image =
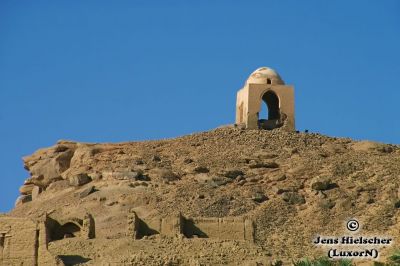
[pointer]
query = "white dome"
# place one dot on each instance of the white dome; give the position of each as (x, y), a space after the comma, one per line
(264, 75)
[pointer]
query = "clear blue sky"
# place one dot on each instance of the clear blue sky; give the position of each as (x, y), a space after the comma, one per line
(110, 71)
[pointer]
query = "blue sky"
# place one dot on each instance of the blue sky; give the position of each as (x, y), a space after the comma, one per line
(110, 71)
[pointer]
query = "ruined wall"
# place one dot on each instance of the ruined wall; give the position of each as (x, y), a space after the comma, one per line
(72, 227)
(220, 228)
(19, 238)
(24, 242)
(231, 228)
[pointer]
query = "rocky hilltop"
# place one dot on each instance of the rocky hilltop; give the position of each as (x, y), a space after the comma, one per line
(223, 197)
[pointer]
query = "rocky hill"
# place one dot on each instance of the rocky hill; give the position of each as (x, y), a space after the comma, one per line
(223, 197)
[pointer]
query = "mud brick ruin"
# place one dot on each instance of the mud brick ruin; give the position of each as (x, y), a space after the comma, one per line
(24, 241)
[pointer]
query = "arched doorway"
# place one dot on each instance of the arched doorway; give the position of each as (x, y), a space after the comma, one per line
(272, 120)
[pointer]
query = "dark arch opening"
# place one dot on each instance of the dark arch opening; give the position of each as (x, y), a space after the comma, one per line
(271, 120)
(272, 102)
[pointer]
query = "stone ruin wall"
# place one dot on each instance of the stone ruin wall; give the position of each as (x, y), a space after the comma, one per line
(223, 228)
(24, 242)
(229, 228)
(18, 242)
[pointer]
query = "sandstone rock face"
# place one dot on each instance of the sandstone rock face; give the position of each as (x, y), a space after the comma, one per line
(23, 199)
(37, 180)
(84, 153)
(86, 192)
(58, 185)
(47, 165)
(35, 192)
(26, 189)
(79, 179)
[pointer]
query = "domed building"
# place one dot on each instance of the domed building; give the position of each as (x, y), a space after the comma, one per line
(265, 86)
(264, 75)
